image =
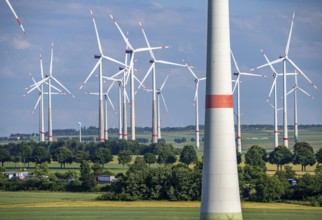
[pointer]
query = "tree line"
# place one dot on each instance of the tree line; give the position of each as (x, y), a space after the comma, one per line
(178, 177)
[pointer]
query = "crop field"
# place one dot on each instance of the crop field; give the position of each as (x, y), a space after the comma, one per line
(72, 206)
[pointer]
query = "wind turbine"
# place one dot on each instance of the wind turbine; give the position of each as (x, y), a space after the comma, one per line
(294, 90)
(237, 85)
(131, 51)
(48, 80)
(40, 102)
(285, 59)
(18, 20)
(196, 103)
(152, 69)
(99, 64)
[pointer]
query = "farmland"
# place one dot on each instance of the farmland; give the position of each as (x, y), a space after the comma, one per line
(69, 206)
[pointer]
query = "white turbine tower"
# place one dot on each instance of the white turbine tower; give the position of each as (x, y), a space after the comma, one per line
(18, 20)
(294, 90)
(106, 100)
(99, 64)
(196, 104)
(237, 85)
(159, 93)
(131, 50)
(220, 198)
(152, 69)
(285, 59)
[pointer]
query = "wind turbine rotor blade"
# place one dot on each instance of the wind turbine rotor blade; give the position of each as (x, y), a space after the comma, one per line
(232, 55)
(146, 75)
(34, 81)
(270, 92)
(118, 73)
(59, 83)
(54, 87)
(127, 97)
(147, 41)
(51, 59)
(150, 48)
(269, 62)
(196, 91)
(169, 63)
(91, 73)
(38, 100)
(35, 86)
(110, 101)
(306, 93)
(161, 88)
(302, 73)
(97, 35)
(113, 60)
(18, 20)
(120, 30)
(289, 36)
(109, 89)
(251, 74)
(292, 90)
(41, 67)
(138, 82)
(165, 104)
(235, 86)
(193, 74)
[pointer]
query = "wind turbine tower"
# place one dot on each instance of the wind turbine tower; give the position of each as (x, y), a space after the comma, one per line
(220, 189)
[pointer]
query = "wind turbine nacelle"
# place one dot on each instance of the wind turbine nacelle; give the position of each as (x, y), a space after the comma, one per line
(236, 74)
(121, 68)
(129, 51)
(97, 56)
(281, 57)
(151, 61)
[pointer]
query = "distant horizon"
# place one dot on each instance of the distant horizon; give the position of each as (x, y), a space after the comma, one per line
(201, 128)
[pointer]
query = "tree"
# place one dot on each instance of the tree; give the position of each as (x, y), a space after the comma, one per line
(87, 177)
(303, 154)
(124, 157)
(4, 155)
(318, 156)
(256, 156)
(188, 155)
(166, 157)
(41, 170)
(26, 153)
(280, 156)
(149, 158)
(102, 156)
(63, 155)
(239, 157)
(80, 156)
(40, 155)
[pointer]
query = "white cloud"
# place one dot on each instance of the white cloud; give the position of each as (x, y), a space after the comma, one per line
(20, 44)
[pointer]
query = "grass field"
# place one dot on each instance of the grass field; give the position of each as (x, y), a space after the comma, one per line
(72, 206)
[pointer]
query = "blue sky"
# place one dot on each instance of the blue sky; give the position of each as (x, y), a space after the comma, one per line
(181, 24)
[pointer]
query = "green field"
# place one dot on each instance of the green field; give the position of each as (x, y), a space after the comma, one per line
(72, 206)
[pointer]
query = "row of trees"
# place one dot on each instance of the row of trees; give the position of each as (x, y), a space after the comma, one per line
(102, 153)
(303, 154)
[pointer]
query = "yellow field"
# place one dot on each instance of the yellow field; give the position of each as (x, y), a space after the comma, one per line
(152, 204)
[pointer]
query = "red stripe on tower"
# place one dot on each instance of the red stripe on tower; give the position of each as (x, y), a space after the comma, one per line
(219, 101)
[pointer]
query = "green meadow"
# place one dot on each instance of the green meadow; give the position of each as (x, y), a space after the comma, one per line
(72, 206)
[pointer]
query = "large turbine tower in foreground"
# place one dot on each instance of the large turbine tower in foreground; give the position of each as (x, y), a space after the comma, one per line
(220, 191)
